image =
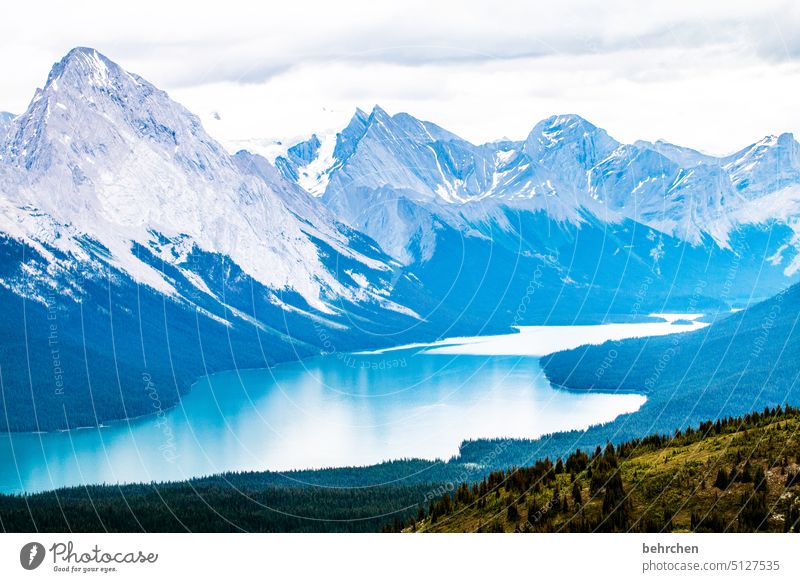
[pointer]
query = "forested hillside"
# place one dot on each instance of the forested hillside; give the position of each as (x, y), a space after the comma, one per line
(358, 499)
(738, 474)
(740, 363)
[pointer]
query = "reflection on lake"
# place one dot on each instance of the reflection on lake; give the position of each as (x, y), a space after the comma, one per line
(329, 411)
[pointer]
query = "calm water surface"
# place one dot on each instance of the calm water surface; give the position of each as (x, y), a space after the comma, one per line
(329, 411)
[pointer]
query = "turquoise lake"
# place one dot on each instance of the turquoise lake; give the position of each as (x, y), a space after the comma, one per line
(335, 410)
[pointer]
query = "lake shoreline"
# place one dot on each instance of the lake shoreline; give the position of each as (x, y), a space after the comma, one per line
(513, 330)
(455, 411)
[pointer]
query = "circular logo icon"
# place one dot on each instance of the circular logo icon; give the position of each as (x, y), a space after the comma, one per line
(31, 555)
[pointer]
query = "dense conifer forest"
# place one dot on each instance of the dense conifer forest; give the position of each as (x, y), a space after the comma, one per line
(733, 475)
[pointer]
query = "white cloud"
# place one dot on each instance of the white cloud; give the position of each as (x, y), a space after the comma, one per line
(701, 74)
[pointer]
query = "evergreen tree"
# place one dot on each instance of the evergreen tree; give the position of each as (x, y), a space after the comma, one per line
(615, 505)
(760, 480)
(577, 497)
(722, 479)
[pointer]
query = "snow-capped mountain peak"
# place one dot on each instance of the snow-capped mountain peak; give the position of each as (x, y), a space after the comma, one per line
(83, 66)
(569, 139)
(769, 164)
(101, 151)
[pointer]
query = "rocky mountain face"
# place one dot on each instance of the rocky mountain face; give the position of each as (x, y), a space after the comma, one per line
(5, 122)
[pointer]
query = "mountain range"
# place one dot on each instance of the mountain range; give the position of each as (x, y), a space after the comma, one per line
(136, 251)
(566, 167)
(604, 226)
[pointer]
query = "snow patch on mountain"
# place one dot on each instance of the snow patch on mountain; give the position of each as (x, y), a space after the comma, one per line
(313, 176)
(5, 123)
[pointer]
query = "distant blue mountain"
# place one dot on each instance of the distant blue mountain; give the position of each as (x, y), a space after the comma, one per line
(742, 362)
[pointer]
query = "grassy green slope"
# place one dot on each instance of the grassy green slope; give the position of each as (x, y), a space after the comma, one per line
(736, 475)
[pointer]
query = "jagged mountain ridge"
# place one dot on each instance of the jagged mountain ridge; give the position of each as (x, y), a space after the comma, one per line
(566, 167)
(125, 164)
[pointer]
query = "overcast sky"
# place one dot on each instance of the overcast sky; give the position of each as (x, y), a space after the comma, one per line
(711, 75)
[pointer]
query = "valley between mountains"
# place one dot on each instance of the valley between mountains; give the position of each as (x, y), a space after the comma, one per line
(138, 257)
(133, 243)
